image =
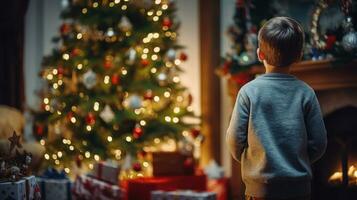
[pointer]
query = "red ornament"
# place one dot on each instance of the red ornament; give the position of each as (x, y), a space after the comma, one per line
(79, 161)
(39, 129)
(144, 62)
(108, 64)
(241, 78)
(148, 95)
(90, 119)
(142, 154)
(195, 132)
(183, 56)
(65, 29)
(60, 70)
(75, 52)
(166, 22)
(115, 79)
(188, 163)
(137, 167)
(330, 41)
(137, 132)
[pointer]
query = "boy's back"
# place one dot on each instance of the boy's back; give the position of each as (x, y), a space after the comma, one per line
(276, 130)
(278, 152)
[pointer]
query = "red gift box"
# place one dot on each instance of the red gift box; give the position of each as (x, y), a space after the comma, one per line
(220, 187)
(141, 188)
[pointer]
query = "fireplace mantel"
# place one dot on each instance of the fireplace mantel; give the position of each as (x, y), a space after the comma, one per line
(323, 74)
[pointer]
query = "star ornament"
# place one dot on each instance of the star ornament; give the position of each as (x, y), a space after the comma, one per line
(15, 141)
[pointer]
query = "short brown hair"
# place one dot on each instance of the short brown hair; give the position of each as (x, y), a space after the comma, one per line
(281, 40)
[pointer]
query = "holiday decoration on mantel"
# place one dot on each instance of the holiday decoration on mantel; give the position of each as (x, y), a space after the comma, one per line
(248, 18)
(15, 179)
(112, 88)
(339, 41)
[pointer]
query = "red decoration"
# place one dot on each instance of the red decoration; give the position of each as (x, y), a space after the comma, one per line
(79, 161)
(148, 95)
(75, 52)
(241, 78)
(195, 132)
(115, 79)
(90, 119)
(330, 41)
(189, 164)
(142, 154)
(60, 70)
(65, 29)
(144, 62)
(148, 184)
(108, 64)
(183, 56)
(137, 132)
(166, 22)
(137, 167)
(39, 129)
(220, 187)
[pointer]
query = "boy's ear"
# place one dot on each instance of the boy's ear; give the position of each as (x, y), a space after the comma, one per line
(260, 55)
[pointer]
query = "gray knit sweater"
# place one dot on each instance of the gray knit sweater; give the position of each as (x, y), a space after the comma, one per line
(276, 132)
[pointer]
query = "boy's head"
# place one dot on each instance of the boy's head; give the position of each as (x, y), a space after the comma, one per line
(281, 42)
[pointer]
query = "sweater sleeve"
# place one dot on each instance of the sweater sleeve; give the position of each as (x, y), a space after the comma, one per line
(316, 132)
(237, 131)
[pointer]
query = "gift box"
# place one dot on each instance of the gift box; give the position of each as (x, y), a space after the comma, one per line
(182, 195)
(106, 171)
(55, 185)
(23, 189)
(88, 188)
(172, 164)
(148, 184)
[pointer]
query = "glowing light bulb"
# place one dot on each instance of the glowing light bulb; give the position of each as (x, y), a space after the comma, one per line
(79, 36)
(156, 49)
(153, 70)
(73, 120)
(175, 119)
(65, 56)
(157, 140)
(154, 57)
(124, 72)
(71, 148)
(164, 6)
(57, 162)
(142, 122)
(128, 139)
(42, 142)
(87, 154)
(106, 79)
(59, 154)
(79, 66)
(95, 4)
(167, 94)
(157, 1)
(109, 138)
(155, 18)
(177, 110)
(168, 118)
(89, 128)
(156, 98)
(145, 50)
(67, 170)
(124, 7)
(49, 76)
(84, 10)
(96, 106)
(96, 157)
(47, 157)
(46, 100)
(54, 156)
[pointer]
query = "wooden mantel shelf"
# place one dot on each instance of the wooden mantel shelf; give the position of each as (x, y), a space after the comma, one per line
(323, 74)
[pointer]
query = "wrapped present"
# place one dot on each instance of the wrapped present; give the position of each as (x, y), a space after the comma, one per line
(148, 184)
(106, 171)
(23, 189)
(55, 185)
(182, 195)
(172, 164)
(88, 188)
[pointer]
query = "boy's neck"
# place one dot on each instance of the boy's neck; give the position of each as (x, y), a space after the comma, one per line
(274, 69)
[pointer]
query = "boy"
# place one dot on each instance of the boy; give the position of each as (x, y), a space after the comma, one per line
(276, 130)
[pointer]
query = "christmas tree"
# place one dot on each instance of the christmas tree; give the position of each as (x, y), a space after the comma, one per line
(112, 85)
